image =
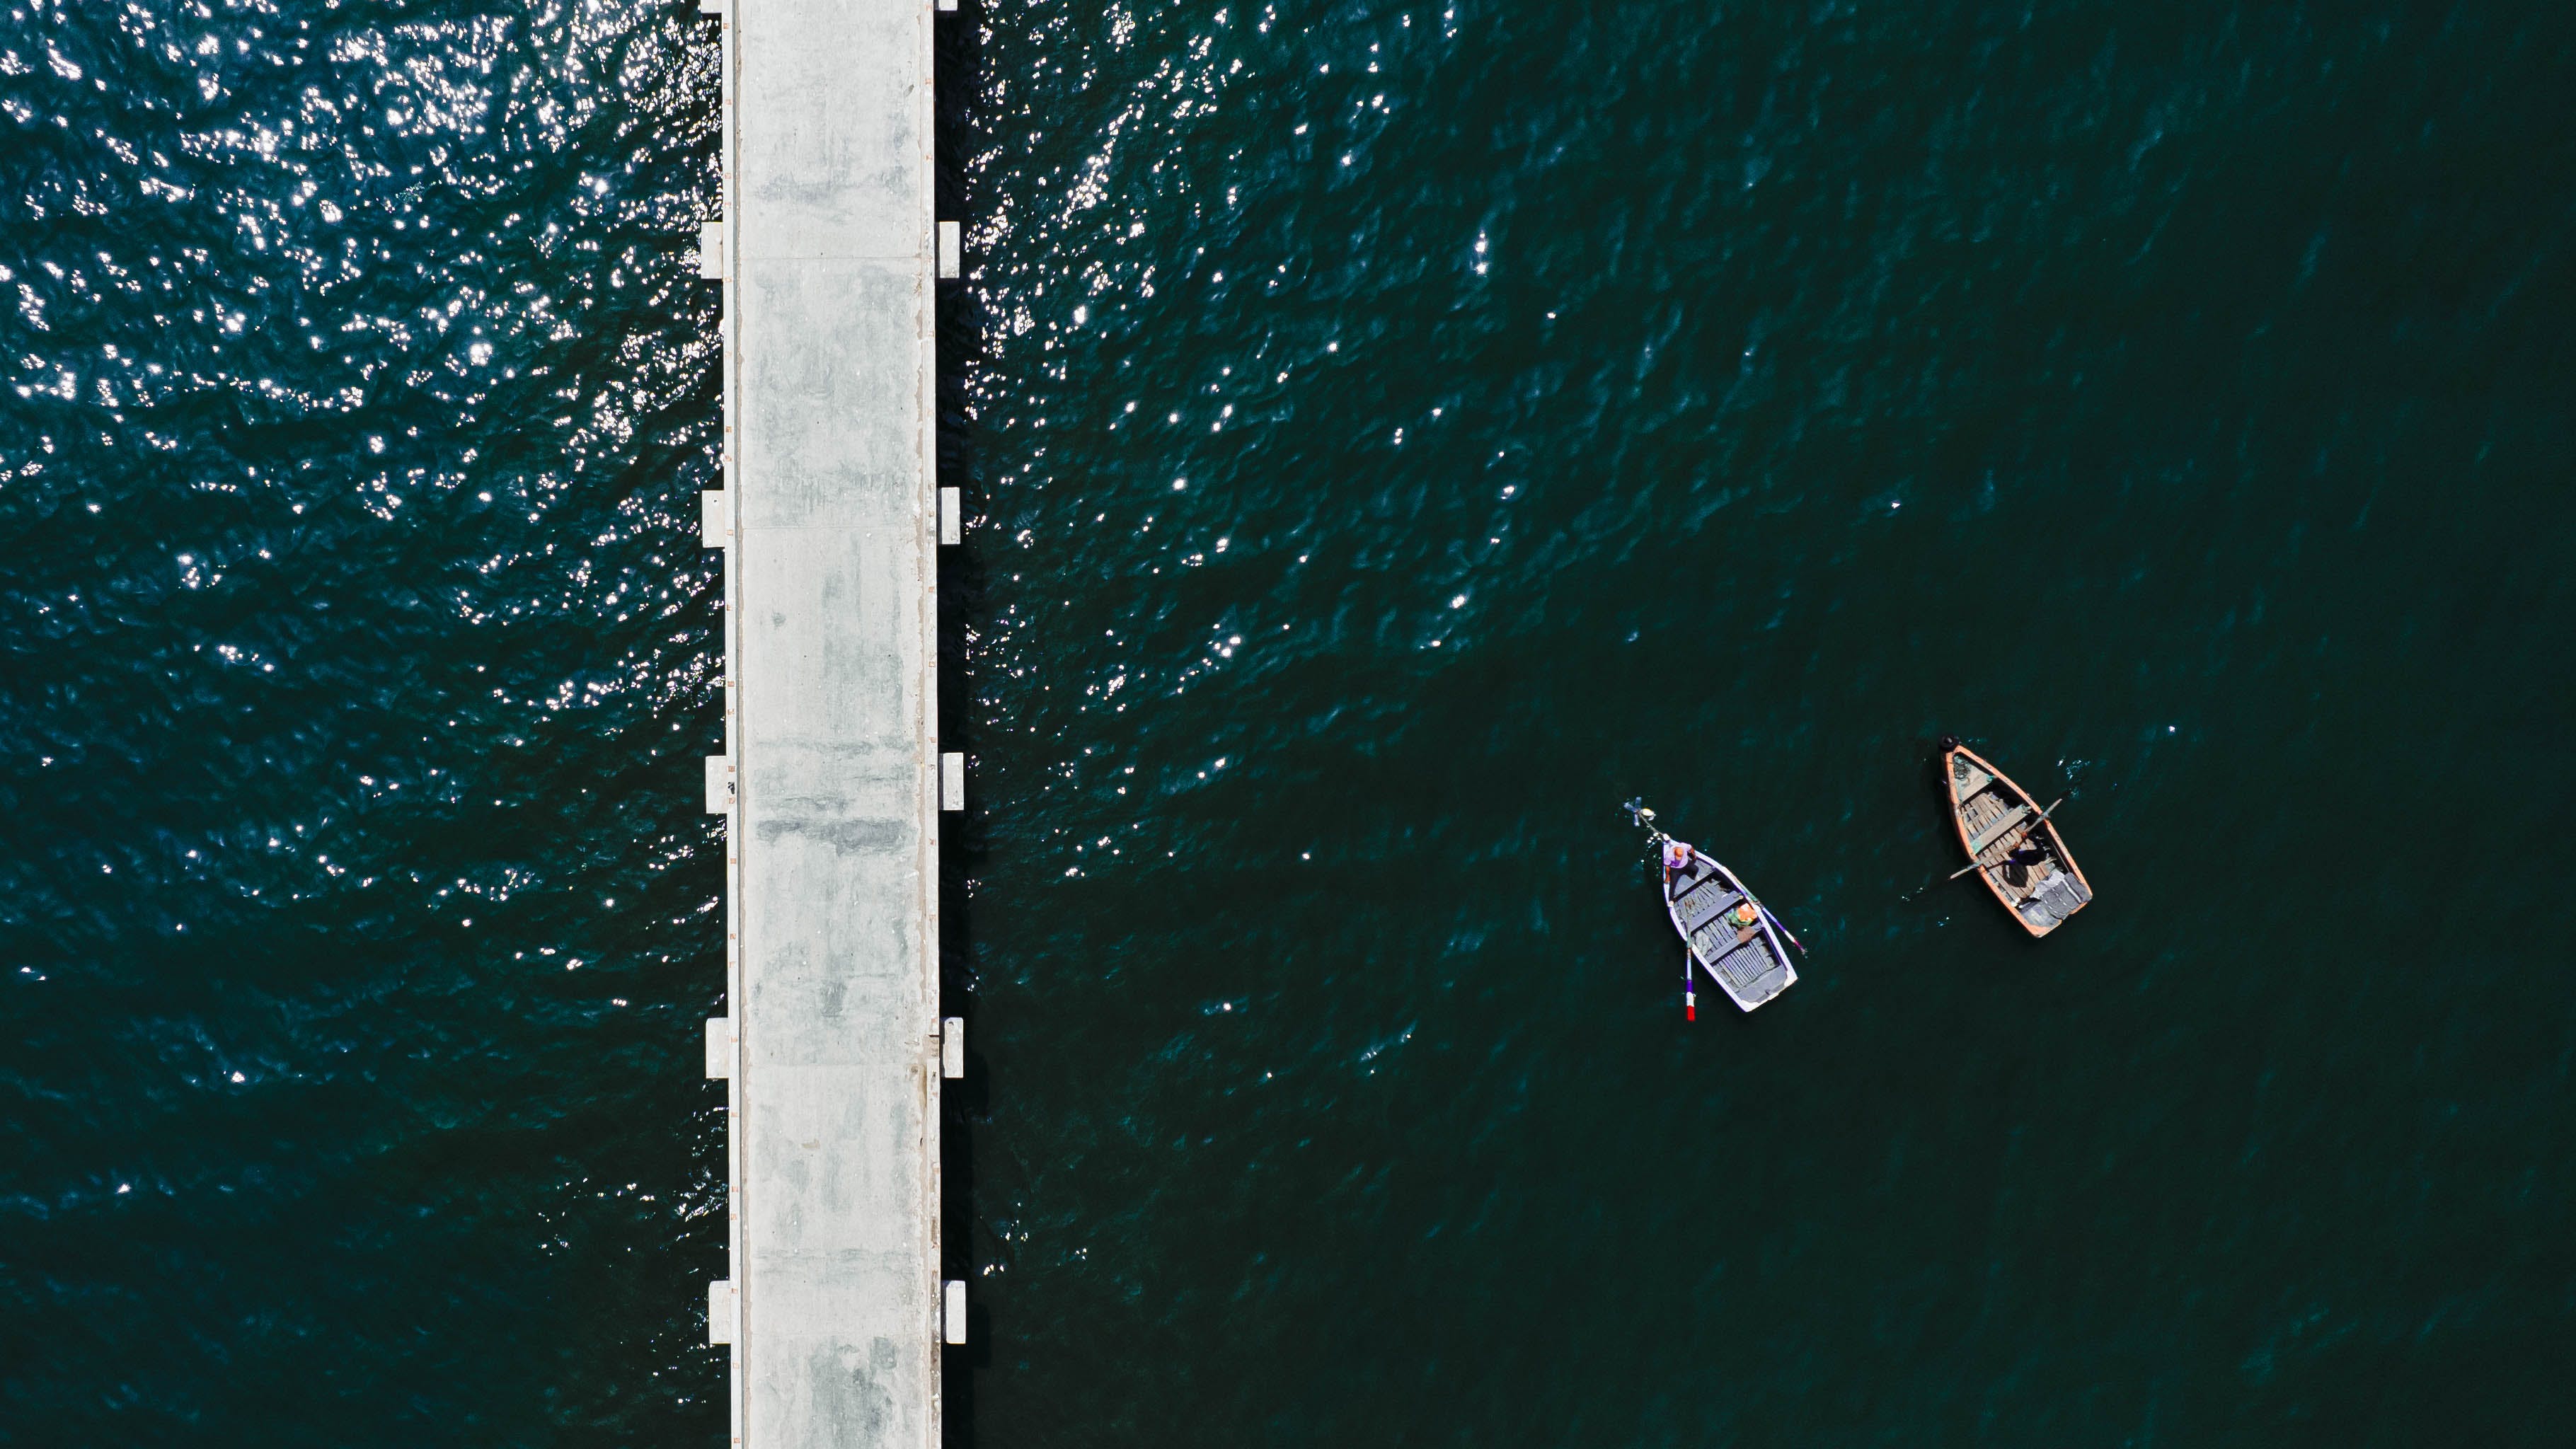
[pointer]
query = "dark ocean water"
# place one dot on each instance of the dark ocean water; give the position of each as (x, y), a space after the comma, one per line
(1720, 403)
(358, 656)
(1394, 436)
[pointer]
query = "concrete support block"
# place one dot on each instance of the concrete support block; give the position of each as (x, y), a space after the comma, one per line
(715, 525)
(952, 516)
(720, 1311)
(711, 249)
(719, 784)
(952, 247)
(719, 1048)
(952, 1047)
(711, 7)
(947, 5)
(952, 1311)
(952, 781)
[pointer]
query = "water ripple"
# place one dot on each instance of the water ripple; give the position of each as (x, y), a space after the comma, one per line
(360, 652)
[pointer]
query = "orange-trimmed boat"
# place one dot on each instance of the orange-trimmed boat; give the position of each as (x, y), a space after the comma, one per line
(2012, 844)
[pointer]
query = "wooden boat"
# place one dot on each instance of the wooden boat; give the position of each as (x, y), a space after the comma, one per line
(2012, 843)
(1725, 931)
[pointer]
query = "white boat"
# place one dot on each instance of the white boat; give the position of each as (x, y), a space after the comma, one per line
(1725, 930)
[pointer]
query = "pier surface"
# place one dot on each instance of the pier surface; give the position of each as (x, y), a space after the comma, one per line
(831, 659)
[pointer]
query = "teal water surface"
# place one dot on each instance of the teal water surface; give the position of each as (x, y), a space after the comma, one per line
(359, 653)
(1406, 433)
(1393, 436)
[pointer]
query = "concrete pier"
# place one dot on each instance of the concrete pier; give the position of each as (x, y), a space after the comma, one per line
(829, 517)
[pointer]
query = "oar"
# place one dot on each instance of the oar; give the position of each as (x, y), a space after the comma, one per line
(1690, 1000)
(2034, 824)
(1781, 926)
